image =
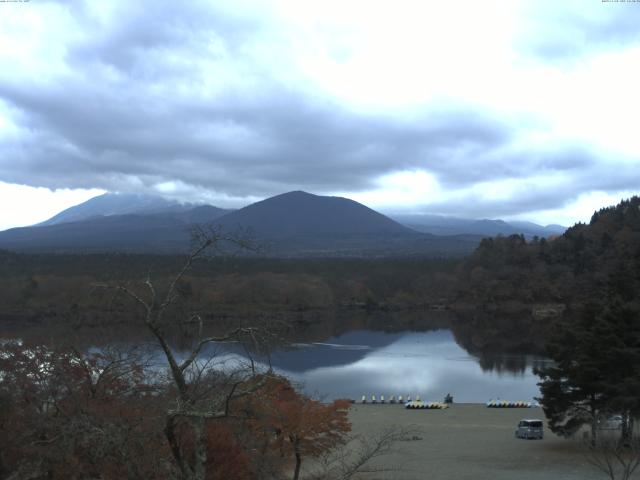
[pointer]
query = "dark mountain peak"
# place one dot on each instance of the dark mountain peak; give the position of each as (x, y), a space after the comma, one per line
(299, 199)
(294, 194)
(300, 213)
(302, 196)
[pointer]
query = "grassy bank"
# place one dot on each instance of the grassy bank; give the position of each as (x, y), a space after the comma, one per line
(470, 441)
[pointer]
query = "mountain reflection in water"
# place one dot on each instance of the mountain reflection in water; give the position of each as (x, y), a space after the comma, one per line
(429, 363)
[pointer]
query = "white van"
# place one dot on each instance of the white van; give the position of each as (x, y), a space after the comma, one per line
(530, 429)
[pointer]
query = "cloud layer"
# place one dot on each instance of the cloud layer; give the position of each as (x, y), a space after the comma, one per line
(242, 100)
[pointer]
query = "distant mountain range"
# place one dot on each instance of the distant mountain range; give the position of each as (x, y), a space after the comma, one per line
(291, 224)
(441, 225)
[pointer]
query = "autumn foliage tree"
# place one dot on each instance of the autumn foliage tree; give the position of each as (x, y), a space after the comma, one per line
(67, 414)
(295, 425)
(71, 415)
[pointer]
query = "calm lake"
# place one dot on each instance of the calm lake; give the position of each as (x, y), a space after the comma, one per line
(352, 356)
(429, 363)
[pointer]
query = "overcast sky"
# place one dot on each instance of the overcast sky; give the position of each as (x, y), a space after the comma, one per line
(506, 109)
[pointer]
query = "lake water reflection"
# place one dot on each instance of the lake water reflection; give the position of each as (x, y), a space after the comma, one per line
(430, 364)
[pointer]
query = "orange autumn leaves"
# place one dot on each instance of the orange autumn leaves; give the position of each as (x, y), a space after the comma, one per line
(315, 426)
(274, 428)
(87, 414)
(290, 423)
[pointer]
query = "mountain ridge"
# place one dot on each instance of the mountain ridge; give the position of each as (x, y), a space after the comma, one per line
(109, 204)
(445, 225)
(291, 224)
(295, 223)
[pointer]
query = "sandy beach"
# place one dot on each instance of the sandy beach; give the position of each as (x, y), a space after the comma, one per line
(471, 441)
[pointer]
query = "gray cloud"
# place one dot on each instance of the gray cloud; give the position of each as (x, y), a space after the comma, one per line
(564, 30)
(185, 92)
(538, 196)
(280, 141)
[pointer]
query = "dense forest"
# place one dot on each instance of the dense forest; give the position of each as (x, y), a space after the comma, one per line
(41, 286)
(519, 289)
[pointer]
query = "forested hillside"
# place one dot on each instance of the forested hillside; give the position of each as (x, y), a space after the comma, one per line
(521, 287)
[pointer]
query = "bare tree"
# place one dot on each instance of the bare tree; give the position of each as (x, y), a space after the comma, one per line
(359, 455)
(616, 459)
(203, 392)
